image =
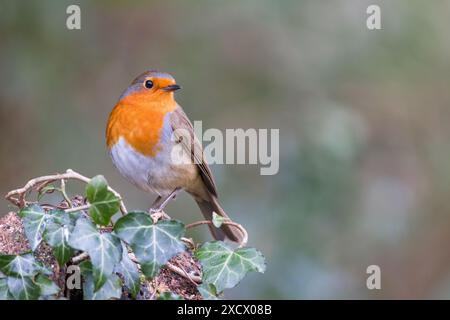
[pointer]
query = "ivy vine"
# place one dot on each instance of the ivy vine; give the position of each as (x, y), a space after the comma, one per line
(112, 254)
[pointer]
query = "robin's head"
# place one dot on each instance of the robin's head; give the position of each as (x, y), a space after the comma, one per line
(152, 85)
(139, 114)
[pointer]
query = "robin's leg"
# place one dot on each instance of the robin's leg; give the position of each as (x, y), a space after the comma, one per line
(156, 203)
(160, 203)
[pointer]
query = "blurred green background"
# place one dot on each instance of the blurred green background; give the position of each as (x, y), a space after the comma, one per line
(364, 121)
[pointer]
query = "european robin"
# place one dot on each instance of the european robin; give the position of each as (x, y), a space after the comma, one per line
(140, 139)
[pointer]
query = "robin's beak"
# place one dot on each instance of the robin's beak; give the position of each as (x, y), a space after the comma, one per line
(171, 88)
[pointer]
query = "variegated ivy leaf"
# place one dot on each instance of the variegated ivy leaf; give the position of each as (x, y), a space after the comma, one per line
(129, 271)
(86, 267)
(64, 218)
(224, 266)
(169, 296)
(23, 288)
(104, 249)
(56, 234)
(47, 286)
(208, 291)
(153, 244)
(21, 265)
(4, 291)
(217, 220)
(111, 289)
(104, 204)
(34, 219)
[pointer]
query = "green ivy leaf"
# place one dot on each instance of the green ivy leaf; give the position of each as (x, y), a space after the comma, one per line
(23, 288)
(56, 234)
(224, 266)
(34, 219)
(20, 265)
(169, 296)
(112, 288)
(4, 291)
(63, 218)
(130, 272)
(104, 204)
(153, 244)
(86, 267)
(47, 286)
(104, 249)
(217, 220)
(208, 291)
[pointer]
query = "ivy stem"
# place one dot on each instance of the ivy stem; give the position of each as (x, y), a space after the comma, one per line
(79, 258)
(195, 280)
(17, 197)
(188, 242)
(227, 222)
(64, 193)
(181, 272)
(75, 209)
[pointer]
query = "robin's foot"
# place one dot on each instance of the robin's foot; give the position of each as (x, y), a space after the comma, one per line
(157, 209)
(157, 214)
(153, 210)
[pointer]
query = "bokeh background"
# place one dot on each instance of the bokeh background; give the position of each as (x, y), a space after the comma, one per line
(364, 121)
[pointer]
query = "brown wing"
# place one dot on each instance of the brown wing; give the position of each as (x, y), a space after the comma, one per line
(179, 120)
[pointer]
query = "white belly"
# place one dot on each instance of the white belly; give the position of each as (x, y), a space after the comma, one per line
(158, 174)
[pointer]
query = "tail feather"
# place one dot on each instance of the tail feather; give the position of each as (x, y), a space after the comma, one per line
(226, 231)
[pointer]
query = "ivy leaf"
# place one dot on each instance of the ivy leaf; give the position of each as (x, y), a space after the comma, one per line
(153, 244)
(104, 204)
(23, 288)
(57, 236)
(169, 296)
(47, 286)
(63, 218)
(224, 266)
(130, 272)
(4, 291)
(86, 268)
(111, 289)
(34, 219)
(20, 265)
(104, 249)
(217, 220)
(208, 291)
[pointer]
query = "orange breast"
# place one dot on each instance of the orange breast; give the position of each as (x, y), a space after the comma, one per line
(139, 120)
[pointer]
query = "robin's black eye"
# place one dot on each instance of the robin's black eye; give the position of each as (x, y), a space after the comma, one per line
(148, 84)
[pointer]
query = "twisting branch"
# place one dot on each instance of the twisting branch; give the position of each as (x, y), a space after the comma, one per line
(227, 222)
(189, 242)
(17, 197)
(195, 280)
(64, 193)
(80, 208)
(79, 258)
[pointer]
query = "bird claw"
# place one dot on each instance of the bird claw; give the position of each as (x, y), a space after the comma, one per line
(157, 214)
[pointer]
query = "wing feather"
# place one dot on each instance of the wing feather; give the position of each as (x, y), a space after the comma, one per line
(179, 120)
